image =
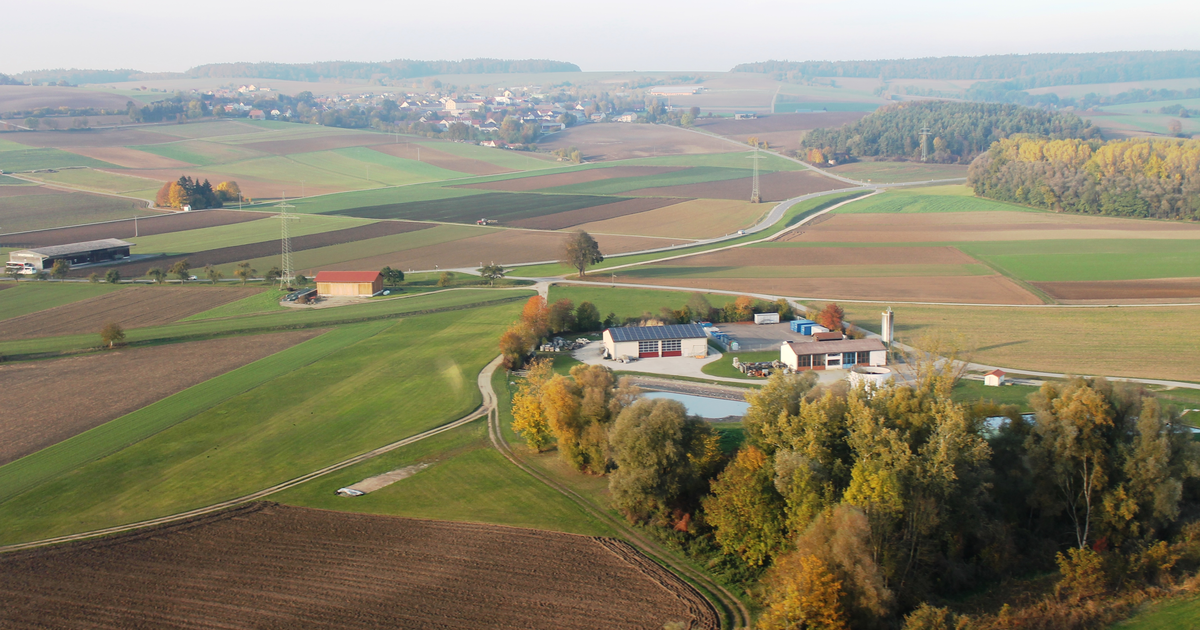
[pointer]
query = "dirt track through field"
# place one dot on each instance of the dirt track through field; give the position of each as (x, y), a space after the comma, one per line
(538, 182)
(272, 566)
(1157, 289)
(777, 186)
(238, 253)
(572, 218)
(133, 307)
(965, 289)
(45, 402)
(146, 226)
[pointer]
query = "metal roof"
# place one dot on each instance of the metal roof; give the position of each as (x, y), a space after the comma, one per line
(646, 333)
(833, 347)
(77, 248)
(347, 276)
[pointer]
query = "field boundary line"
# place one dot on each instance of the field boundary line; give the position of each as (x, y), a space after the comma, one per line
(735, 610)
(149, 204)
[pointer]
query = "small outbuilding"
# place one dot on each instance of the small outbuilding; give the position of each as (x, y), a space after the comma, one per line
(656, 341)
(995, 378)
(826, 355)
(766, 318)
(349, 283)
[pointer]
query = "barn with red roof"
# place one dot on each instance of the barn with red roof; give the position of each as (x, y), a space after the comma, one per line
(349, 283)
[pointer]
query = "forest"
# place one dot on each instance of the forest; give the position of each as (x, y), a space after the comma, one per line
(888, 507)
(1141, 177)
(958, 131)
(1027, 71)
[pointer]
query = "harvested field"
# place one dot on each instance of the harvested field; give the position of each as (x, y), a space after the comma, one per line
(889, 172)
(46, 402)
(91, 137)
(135, 307)
(618, 141)
(240, 253)
(441, 159)
(693, 218)
(500, 206)
(53, 209)
(1124, 290)
(970, 289)
(776, 122)
(22, 190)
(199, 152)
(318, 143)
(983, 226)
(503, 247)
(808, 256)
(128, 158)
(272, 566)
(27, 97)
(525, 184)
(257, 188)
(146, 226)
(595, 213)
(776, 186)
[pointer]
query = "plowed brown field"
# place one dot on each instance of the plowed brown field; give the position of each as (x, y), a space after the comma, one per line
(1157, 289)
(146, 226)
(134, 307)
(571, 218)
(807, 256)
(45, 402)
(28, 97)
(441, 159)
(502, 247)
(772, 187)
(982, 226)
(943, 289)
(272, 566)
(129, 158)
(22, 191)
(619, 141)
(238, 253)
(93, 137)
(538, 182)
(693, 218)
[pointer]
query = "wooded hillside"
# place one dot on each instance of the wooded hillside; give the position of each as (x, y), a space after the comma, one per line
(958, 131)
(1142, 177)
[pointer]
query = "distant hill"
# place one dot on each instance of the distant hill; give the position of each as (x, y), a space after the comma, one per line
(395, 69)
(1025, 71)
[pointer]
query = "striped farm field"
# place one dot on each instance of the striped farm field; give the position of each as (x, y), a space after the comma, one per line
(375, 166)
(201, 153)
(23, 298)
(37, 208)
(34, 159)
(499, 206)
(693, 218)
(98, 181)
(261, 228)
(666, 272)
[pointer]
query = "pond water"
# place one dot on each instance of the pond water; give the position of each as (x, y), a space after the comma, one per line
(703, 406)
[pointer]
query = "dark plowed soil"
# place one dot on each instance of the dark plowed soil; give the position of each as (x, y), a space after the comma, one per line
(239, 253)
(772, 186)
(146, 226)
(133, 307)
(272, 566)
(539, 182)
(1161, 288)
(596, 213)
(45, 402)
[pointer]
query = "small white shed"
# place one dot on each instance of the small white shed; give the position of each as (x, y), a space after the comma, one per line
(766, 318)
(995, 378)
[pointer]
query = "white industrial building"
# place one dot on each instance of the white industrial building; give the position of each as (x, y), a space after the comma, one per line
(656, 341)
(31, 261)
(815, 354)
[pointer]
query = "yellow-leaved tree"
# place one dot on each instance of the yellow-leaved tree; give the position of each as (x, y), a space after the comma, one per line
(804, 593)
(529, 417)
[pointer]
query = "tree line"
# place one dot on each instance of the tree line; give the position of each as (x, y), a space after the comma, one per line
(198, 195)
(958, 131)
(871, 508)
(1140, 177)
(1027, 71)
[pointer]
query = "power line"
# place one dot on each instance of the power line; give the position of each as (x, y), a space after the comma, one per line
(286, 241)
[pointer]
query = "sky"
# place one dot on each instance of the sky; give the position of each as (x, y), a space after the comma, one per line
(620, 35)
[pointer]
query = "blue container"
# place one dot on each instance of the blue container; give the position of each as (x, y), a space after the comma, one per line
(802, 326)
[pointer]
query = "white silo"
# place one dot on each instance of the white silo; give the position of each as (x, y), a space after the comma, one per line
(889, 326)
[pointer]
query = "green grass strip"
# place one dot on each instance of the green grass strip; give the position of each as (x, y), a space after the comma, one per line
(131, 428)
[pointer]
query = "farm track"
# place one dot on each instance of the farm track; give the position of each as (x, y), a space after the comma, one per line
(734, 609)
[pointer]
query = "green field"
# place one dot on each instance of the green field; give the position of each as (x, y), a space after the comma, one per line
(1171, 614)
(503, 158)
(929, 199)
(200, 152)
(503, 206)
(346, 201)
(30, 297)
(264, 302)
(892, 172)
(100, 181)
(36, 159)
(1141, 342)
(40, 212)
(767, 162)
(266, 229)
(467, 480)
(373, 166)
(415, 374)
(724, 365)
(626, 302)
(1091, 259)
(667, 271)
(970, 391)
(5, 180)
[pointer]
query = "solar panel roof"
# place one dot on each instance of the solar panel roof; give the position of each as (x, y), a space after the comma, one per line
(646, 333)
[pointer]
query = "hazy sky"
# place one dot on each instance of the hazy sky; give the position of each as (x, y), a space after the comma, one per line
(152, 35)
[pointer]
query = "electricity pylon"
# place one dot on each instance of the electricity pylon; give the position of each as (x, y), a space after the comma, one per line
(925, 133)
(286, 241)
(754, 196)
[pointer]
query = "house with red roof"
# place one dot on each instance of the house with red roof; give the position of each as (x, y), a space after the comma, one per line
(349, 283)
(995, 378)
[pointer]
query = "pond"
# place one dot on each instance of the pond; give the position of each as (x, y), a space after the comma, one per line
(704, 406)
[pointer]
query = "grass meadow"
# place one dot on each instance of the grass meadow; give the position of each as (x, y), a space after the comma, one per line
(1172, 614)
(35, 159)
(30, 297)
(893, 172)
(1091, 259)
(953, 198)
(410, 376)
(626, 302)
(265, 229)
